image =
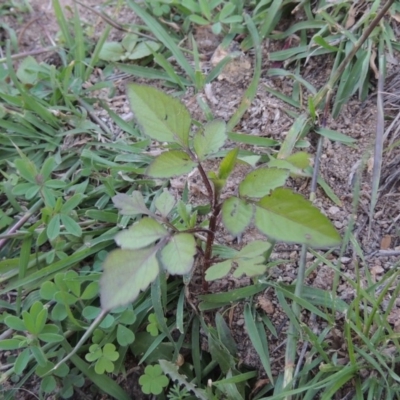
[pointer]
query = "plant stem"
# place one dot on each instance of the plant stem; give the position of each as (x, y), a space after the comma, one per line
(212, 226)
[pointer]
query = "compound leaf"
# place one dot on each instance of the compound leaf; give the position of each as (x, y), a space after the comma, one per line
(219, 270)
(289, 217)
(170, 163)
(254, 249)
(210, 140)
(130, 205)
(165, 203)
(141, 234)
(260, 182)
(161, 117)
(126, 273)
(178, 255)
(250, 266)
(236, 215)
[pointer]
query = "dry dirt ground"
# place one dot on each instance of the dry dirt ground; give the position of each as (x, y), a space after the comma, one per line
(267, 117)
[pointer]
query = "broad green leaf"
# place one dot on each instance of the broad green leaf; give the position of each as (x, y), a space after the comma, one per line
(126, 273)
(27, 71)
(284, 164)
(130, 205)
(254, 249)
(250, 267)
(141, 234)
(170, 163)
(125, 336)
(165, 203)
(228, 163)
(219, 270)
(300, 159)
(129, 41)
(161, 117)
(22, 361)
(262, 181)
(178, 255)
(143, 49)
(111, 51)
(288, 217)
(236, 215)
(210, 140)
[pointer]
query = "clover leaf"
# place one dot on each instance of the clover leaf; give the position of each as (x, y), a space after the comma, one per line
(153, 381)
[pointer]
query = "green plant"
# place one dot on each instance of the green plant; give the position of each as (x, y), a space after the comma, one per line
(166, 237)
(153, 381)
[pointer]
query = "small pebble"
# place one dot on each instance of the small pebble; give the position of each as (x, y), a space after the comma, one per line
(333, 210)
(338, 224)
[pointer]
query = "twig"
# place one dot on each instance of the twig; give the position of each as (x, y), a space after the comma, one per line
(21, 222)
(29, 53)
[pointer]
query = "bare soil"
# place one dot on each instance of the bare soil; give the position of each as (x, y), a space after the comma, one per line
(267, 117)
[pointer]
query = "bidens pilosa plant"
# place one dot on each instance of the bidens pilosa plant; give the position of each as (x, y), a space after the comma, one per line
(169, 236)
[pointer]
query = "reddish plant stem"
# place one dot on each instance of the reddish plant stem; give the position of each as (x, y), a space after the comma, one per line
(212, 195)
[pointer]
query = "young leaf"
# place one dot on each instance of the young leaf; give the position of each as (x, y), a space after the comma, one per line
(228, 163)
(219, 270)
(161, 117)
(130, 205)
(178, 255)
(254, 249)
(126, 273)
(260, 182)
(165, 203)
(288, 217)
(300, 159)
(250, 267)
(169, 164)
(140, 234)
(236, 215)
(211, 140)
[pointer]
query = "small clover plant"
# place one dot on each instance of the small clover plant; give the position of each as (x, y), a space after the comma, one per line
(153, 381)
(103, 357)
(169, 234)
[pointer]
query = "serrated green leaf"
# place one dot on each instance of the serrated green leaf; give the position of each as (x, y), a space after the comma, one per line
(236, 215)
(210, 140)
(227, 164)
(130, 205)
(141, 234)
(250, 267)
(178, 255)
(288, 217)
(171, 163)
(254, 249)
(126, 273)
(218, 271)
(165, 203)
(161, 117)
(262, 181)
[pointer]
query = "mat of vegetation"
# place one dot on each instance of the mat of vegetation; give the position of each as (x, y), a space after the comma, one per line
(199, 200)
